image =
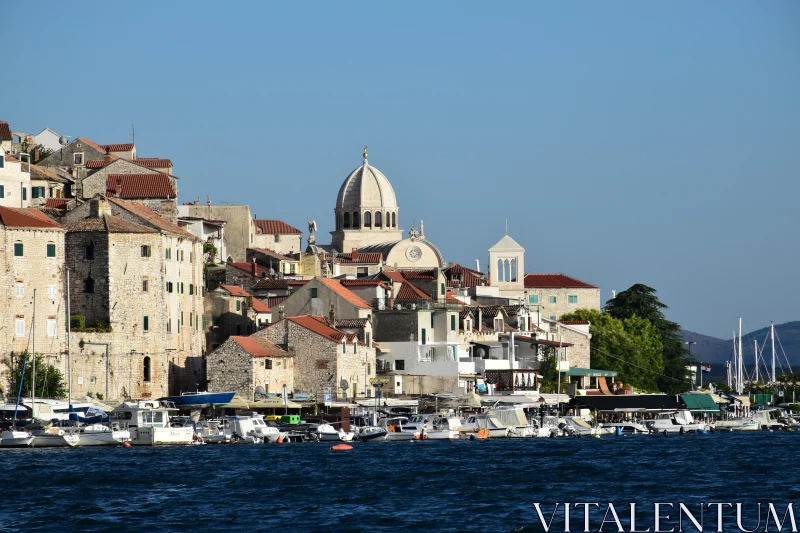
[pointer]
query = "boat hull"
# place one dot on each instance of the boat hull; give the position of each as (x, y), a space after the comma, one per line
(103, 438)
(200, 400)
(150, 436)
(54, 441)
(15, 439)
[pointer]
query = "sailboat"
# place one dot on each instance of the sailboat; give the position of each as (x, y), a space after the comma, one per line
(13, 437)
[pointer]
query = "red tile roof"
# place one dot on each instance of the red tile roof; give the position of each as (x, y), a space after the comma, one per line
(275, 227)
(455, 268)
(46, 174)
(235, 290)
(261, 272)
(363, 283)
(13, 217)
(151, 217)
(554, 281)
(395, 275)
(273, 254)
(298, 282)
(276, 300)
(345, 293)
(409, 292)
(269, 283)
(125, 147)
(469, 277)
(91, 143)
(319, 325)
(259, 347)
(139, 186)
(419, 274)
(56, 203)
(370, 258)
(574, 322)
(5, 131)
(10, 157)
(100, 163)
(260, 307)
(153, 162)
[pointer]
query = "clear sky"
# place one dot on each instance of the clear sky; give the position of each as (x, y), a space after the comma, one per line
(624, 142)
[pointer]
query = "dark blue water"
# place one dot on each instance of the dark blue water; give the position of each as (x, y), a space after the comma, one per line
(425, 486)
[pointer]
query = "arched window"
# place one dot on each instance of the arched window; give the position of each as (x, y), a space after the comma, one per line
(356, 221)
(88, 285)
(378, 219)
(499, 270)
(146, 366)
(367, 219)
(507, 271)
(338, 222)
(394, 220)
(513, 270)
(346, 222)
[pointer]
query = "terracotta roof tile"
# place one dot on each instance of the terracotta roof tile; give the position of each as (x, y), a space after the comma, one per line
(363, 283)
(151, 217)
(554, 281)
(419, 274)
(56, 203)
(369, 258)
(44, 173)
(345, 293)
(269, 283)
(153, 162)
(139, 186)
(298, 282)
(319, 325)
(276, 300)
(91, 143)
(574, 322)
(260, 307)
(455, 268)
(13, 217)
(409, 292)
(235, 290)
(462, 276)
(351, 323)
(125, 147)
(273, 254)
(11, 158)
(259, 347)
(5, 131)
(275, 227)
(261, 272)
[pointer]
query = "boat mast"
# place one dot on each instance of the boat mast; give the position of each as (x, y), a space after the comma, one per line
(755, 345)
(740, 376)
(69, 352)
(33, 332)
(772, 336)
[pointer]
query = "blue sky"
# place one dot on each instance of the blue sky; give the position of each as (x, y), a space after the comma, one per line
(624, 142)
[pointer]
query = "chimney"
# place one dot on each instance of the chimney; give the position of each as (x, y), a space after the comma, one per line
(333, 317)
(99, 207)
(254, 266)
(208, 200)
(107, 159)
(354, 255)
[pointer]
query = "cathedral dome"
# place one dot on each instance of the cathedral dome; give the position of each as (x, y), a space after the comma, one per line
(366, 188)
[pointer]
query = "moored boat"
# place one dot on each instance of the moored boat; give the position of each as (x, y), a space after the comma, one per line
(148, 423)
(199, 400)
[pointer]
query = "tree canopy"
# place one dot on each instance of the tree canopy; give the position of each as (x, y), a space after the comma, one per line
(49, 380)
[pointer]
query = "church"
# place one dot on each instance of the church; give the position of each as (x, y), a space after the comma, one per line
(368, 223)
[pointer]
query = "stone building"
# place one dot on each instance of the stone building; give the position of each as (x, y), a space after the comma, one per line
(31, 261)
(277, 264)
(15, 181)
(243, 364)
(227, 313)
(211, 232)
(155, 191)
(47, 184)
(326, 359)
(557, 294)
(137, 282)
(6, 136)
(277, 236)
(321, 296)
(239, 228)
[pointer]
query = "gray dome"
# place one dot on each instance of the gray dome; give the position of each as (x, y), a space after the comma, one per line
(366, 188)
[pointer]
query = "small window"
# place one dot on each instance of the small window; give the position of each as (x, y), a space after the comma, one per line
(51, 327)
(368, 343)
(572, 298)
(2, 161)
(145, 250)
(145, 285)
(168, 253)
(553, 299)
(400, 364)
(191, 289)
(499, 325)
(181, 287)
(355, 346)
(169, 325)
(190, 319)
(424, 336)
(444, 291)
(268, 364)
(19, 327)
(452, 322)
(169, 286)
(2, 187)
(181, 318)
(20, 290)
(238, 305)
(146, 368)
(88, 286)
(24, 193)
(89, 252)
(277, 237)
(533, 299)
(553, 317)
(52, 291)
(146, 323)
(292, 268)
(51, 250)
(77, 158)
(314, 293)
(93, 379)
(18, 249)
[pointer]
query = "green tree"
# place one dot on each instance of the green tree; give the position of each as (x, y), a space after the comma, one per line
(50, 381)
(641, 300)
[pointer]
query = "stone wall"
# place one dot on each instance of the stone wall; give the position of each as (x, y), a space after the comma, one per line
(96, 182)
(13, 180)
(239, 229)
(587, 299)
(223, 320)
(301, 303)
(284, 245)
(231, 368)
(33, 271)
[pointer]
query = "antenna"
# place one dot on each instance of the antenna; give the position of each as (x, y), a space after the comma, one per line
(133, 134)
(506, 226)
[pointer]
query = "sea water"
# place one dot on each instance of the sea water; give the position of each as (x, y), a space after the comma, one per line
(489, 485)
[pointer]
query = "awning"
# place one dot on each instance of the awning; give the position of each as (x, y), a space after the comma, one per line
(615, 403)
(237, 402)
(699, 403)
(590, 372)
(274, 403)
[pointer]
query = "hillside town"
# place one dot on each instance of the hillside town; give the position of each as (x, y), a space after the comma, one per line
(164, 296)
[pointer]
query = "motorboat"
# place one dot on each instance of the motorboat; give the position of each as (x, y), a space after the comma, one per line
(514, 418)
(242, 428)
(266, 432)
(15, 438)
(199, 400)
(49, 436)
(394, 429)
(148, 422)
(577, 426)
(674, 422)
(326, 432)
(101, 435)
(371, 433)
(477, 421)
(629, 427)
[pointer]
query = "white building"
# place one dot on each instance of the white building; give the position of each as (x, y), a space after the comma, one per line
(15, 181)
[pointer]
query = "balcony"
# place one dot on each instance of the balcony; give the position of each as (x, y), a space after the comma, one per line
(382, 304)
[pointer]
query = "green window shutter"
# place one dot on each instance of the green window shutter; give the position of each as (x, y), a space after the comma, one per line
(24, 193)
(431, 320)
(444, 291)
(51, 250)
(146, 322)
(2, 189)
(452, 322)
(533, 299)
(314, 292)
(424, 336)
(18, 249)
(553, 299)
(573, 298)
(238, 305)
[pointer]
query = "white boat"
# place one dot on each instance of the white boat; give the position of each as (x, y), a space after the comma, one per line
(394, 429)
(328, 433)
(267, 433)
(148, 423)
(514, 418)
(101, 435)
(242, 428)
(477, 421)
(623, 428)
(48, 437)
(14, 438)
(575, 425)
(674, 422)
(370, 433)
